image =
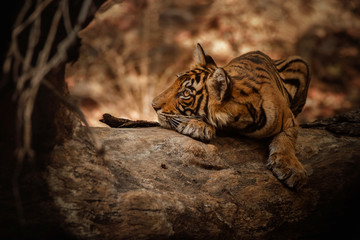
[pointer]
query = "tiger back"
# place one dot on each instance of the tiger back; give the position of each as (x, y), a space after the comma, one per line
(263, 85)
(295, 74)
(252, 94)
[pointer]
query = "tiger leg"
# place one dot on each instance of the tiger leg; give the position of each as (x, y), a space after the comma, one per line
(197, 129)
(282, 160)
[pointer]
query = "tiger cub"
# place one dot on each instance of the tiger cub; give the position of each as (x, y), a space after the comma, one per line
(255, 95)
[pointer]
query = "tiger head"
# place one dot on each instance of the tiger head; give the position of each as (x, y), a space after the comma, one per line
(195, 94)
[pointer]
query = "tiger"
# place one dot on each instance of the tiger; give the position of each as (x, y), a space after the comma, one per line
(252, 95)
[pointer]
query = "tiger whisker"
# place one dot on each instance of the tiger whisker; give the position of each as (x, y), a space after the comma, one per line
(174, 120)
(173, 123)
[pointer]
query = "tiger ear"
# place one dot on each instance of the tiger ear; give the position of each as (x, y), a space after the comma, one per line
(201, 58)
(219, 85)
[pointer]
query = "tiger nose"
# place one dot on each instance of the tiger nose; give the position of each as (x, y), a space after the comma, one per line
(155, 106)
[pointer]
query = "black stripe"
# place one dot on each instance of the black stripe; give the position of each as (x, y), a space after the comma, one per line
(206, 74)
(262, 119)
(187, 104)
(256, 125)
(258, 116)
(199, 92)
(246, 65)
(206, 108)
(289, 63)
(191, 88)
(256, 60)
(262, 69)
(294, 71)
(207, 69)
(242, 92)
(250, 78)
(186, 83)
(198, 104)
(272, 69)
(280, 61)
(279, 83)
(255, 81)
(247, 84)
(261, 76)
(211, 69)
(204, 134)
(252, 111)
(239, 67)
(197, 78)
(278, 79)
(289, 96)
(292, 81)
(182, 112)
(239, 78)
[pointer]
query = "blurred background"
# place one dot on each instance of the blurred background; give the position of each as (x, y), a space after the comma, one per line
(133, 49)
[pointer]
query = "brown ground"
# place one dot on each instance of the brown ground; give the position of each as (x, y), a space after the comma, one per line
(134, 48)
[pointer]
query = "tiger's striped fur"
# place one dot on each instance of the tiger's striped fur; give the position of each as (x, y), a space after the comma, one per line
(253, 94)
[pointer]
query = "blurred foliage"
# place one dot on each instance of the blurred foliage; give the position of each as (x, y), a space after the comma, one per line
(134, 48)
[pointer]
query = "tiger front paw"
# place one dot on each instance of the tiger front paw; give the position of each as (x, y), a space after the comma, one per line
(288, 170)
(197, 129)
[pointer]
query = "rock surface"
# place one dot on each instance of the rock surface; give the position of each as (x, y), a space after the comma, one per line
(154, 183)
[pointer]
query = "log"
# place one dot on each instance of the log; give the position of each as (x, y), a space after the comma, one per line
(154, 183)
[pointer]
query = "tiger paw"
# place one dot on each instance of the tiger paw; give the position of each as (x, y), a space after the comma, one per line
(288, 170)
(197, 129)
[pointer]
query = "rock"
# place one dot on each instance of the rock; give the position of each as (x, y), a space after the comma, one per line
(153, 183)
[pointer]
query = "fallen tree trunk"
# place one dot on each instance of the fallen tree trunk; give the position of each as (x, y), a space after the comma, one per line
(153, 183)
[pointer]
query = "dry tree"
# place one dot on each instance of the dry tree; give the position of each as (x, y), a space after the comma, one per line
(29, 65)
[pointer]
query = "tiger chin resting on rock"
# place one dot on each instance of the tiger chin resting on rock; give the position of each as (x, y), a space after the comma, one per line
(253, 94)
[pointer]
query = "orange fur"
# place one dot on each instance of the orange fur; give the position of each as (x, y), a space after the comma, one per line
(254, 95)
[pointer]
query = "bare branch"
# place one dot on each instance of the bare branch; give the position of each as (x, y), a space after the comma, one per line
(45, 52)
(36, 14)
(33, 41)
(66, 16)
(35, 74)
(29, 73)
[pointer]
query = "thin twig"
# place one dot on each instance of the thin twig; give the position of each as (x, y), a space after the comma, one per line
(29, 74)
(33, 41)
(66, 16)
(36, 14)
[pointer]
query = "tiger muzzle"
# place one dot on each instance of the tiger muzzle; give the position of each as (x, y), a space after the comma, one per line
(155, 106)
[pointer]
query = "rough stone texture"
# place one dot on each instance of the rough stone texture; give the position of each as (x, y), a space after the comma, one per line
(347, 123)
(154, 183)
